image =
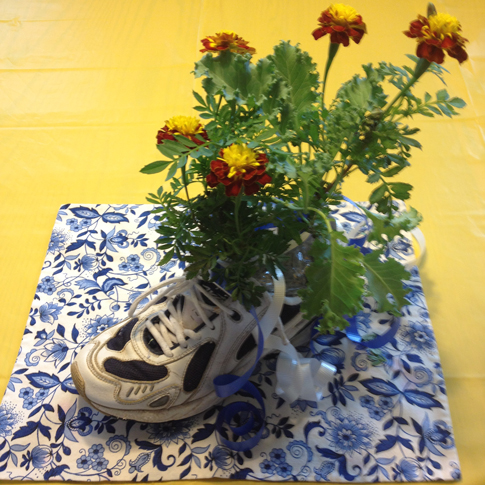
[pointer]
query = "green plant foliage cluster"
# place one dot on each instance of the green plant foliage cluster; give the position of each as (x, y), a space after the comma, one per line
(275, 107)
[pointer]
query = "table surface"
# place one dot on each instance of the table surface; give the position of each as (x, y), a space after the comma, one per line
(86, 85)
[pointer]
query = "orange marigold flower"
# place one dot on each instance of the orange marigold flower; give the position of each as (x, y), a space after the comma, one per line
(239, 166)
(438, 33)
(226, 40)
(187, 126)
(342, 23)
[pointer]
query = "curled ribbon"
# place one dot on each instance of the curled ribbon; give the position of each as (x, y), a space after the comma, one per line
(299, 377)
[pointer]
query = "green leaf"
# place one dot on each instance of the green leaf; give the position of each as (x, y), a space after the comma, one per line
(374, 177)
(386, 278)
(335, 282)
(156, 167)
(400, 190)
(175, 147)
(434, 110)
(442, 95)
(405, 140)
(392, 171)
(164, 150)
(199, 98)
(445, 110)
(277, 93)
(358, 92)
(314, 135)
(299, 72)
(381, 226)
(185, 142)
(457, 102)
(166, 257)
(261, 80)
(235, 77)
(182, 161)
(412, 57)
(201, 152)
(378, 193)
(172, 171)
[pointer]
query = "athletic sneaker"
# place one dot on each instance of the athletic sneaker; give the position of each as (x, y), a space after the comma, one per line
(159, 365)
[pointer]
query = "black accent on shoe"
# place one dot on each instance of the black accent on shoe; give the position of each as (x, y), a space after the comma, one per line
(135, 370)
(150, 343)
(217, 292)
(236, 316)
(289, 312)
(246, 347)
(197, 366)
(123, 336)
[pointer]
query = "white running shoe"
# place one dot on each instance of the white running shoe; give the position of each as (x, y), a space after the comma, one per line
(159, 365)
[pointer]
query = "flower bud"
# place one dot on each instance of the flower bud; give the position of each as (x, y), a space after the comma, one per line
(431, 9)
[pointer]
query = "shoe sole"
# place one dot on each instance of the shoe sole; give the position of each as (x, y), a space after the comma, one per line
(301, 336)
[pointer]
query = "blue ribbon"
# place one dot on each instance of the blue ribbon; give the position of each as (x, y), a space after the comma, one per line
(228, 384)
(353, 334)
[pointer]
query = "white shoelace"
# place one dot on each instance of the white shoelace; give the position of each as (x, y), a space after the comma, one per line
(170, 330)
(296, 377)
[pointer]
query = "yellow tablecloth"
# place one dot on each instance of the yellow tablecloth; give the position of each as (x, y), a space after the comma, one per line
(84, 87)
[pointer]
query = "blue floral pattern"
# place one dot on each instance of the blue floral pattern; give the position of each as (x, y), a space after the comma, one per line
(383, 417)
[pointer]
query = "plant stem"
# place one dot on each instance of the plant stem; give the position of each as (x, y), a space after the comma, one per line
(305, 194)
(184, 178)
(323, 216)
(421, 67)
(341, 175)
(232, 104)
(218, 105)
(237, 203)
(332, 51)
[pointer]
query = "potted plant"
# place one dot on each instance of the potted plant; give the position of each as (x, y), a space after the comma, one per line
(259, 172)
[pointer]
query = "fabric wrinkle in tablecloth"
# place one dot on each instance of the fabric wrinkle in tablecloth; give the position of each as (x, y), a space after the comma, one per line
(384, 417)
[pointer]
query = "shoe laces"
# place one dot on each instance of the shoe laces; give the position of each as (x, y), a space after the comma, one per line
(169, 328)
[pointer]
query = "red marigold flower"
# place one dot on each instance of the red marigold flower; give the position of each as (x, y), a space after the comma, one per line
(239, 166)
(187, 126)
(342, 23)
(226, 40)
(438, 33)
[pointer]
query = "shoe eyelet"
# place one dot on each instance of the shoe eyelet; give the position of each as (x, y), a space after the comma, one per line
(235, 316)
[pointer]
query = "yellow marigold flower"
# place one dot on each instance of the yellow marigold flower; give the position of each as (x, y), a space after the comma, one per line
(226, 40)
(187, 126)
(184, 125)
(239, 159)
(436, 34)
(239, 166)
(342, 23)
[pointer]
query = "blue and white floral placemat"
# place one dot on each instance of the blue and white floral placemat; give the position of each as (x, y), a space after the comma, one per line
(384, 417)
